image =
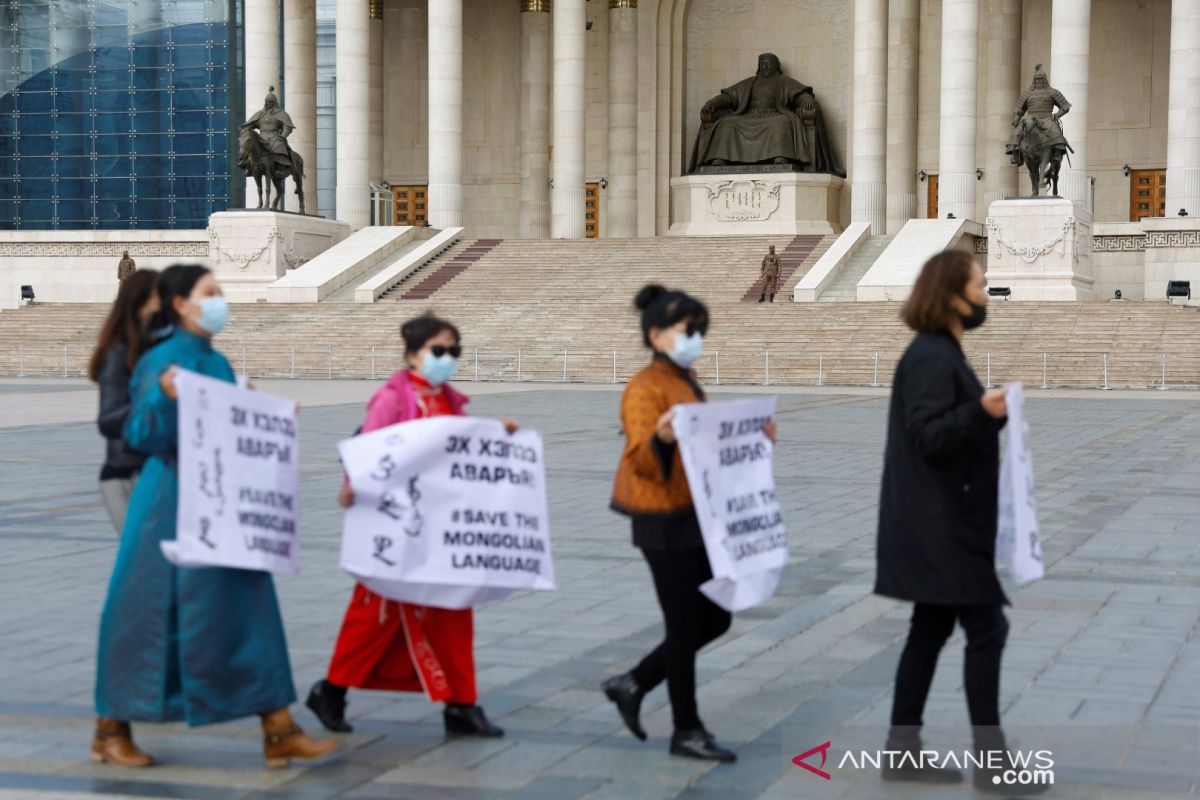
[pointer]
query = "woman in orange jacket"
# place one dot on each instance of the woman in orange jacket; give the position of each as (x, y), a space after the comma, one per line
(652, 490)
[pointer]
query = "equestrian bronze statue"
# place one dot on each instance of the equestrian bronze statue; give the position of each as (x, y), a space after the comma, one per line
(1038, 141)
(264, 152)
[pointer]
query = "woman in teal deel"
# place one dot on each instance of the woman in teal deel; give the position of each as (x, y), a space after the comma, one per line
(198, 644)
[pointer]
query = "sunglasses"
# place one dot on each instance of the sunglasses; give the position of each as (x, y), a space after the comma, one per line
(440, 350)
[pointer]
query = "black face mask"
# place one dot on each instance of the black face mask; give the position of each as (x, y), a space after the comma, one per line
(975, 318)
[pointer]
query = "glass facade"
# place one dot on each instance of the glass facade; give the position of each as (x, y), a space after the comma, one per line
(115, 114)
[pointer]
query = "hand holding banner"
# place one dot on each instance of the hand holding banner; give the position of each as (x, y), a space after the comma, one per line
(448, 512)
(239, 478)
(728, 460)
(1018, 543)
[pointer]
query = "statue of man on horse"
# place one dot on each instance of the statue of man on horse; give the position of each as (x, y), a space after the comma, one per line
(264, 152)
(1038, 141)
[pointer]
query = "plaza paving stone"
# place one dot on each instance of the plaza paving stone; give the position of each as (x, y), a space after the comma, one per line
(1101, 665)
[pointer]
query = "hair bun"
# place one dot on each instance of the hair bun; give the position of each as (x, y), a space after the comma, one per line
(648, 295)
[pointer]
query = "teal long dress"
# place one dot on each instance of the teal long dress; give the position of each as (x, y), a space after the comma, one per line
(198, 644)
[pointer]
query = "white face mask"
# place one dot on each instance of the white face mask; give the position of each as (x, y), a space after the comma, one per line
(687, 349)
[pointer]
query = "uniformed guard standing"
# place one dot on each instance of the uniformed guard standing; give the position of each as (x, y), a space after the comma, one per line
(771, 267)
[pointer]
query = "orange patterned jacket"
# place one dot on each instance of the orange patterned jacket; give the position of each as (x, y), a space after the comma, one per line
(650, 479)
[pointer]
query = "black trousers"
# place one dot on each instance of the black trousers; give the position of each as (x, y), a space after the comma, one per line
(986, 630)
(692, 621)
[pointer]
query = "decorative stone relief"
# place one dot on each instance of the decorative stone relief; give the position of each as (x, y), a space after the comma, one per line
(1172, 239)
(105, 249)
(1030, 253)
(240, 257)
(743, 201)
(1119, 244)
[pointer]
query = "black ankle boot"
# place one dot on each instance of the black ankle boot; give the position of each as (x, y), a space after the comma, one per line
(762, 298)
(623, 690)
(328, 703)
(469, 721)
(907, 766)
(772, 297)
(700, 744)
(991, 781)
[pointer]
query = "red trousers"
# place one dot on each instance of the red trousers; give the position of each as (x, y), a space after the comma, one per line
(399, 647)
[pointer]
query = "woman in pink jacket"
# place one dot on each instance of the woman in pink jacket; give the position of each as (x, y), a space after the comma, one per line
(401, 647)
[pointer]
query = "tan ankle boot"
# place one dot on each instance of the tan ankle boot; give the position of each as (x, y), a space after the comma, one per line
(113, 744)
(283, 740)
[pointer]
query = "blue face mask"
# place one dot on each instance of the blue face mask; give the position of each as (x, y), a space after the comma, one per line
(438, 369)
(687, 349)
(214, 314)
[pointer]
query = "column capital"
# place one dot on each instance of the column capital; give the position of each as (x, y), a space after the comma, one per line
(622, 3)
(376, 9)
(535, 5)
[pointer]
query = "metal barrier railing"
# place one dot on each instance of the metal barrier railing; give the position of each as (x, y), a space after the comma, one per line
(764, 367)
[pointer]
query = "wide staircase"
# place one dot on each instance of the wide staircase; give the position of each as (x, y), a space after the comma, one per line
(562, 311)
(844, 286)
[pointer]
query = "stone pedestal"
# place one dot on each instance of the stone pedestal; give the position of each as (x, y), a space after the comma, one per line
(755, 204)
(252, 249)
(1172, 254)
(1041, 249)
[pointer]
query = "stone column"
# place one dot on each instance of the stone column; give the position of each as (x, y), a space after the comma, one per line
(300, 102)
(352, 67)
(868, 191)
(261, 28)
(1183, 114)
(902, 45)
(445, 114)
(375, 99)
(566, 164)
(622, 119)
(960, 87)
(1003, 89)
(535, 119)
(1070, 43)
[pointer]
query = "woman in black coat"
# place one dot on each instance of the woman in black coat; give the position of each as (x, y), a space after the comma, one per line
(937, 511)
(123, 338)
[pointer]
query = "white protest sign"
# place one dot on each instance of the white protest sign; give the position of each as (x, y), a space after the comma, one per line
(448, 512)
(728, 460)
(1017, 541)
(239, 478)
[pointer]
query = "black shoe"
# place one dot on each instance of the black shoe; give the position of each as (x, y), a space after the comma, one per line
(772, 298)
(991, 781)
(624, 691)
(916, 773)
(908, 740)
(762, 298)
(700, 744)
(329, 706)
(469, 721)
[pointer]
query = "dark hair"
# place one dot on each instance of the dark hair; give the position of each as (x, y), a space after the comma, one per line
(662, 308)
(944, 277)
(419, 330)
(178, 280)
(122, 325)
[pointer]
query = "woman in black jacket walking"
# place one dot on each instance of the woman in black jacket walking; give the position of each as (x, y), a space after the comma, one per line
(937, 512)
(123, 338)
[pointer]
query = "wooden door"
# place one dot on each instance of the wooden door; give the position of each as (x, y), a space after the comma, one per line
(591, 210)
(1147, 193)
(408, 207)
(931, 209)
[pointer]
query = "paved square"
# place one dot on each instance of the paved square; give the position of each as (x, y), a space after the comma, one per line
(1101, 665)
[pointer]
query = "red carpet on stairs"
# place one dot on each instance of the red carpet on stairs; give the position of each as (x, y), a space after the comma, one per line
(447, 272)
(790, 259)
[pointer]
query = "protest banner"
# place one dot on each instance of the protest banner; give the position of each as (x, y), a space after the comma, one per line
(1018, 543)
(728, 460)
(448, 512)
(239, 478)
